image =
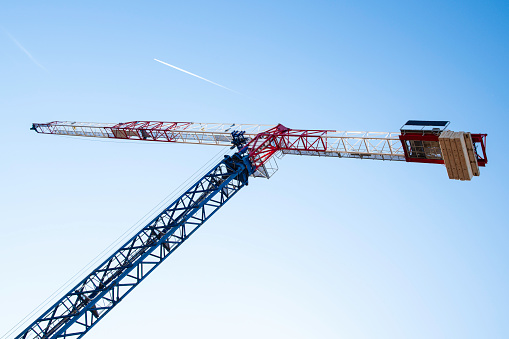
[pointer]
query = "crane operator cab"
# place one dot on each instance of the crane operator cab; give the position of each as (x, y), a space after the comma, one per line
(429, 142)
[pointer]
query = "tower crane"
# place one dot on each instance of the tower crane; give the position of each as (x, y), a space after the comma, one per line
(75, 313)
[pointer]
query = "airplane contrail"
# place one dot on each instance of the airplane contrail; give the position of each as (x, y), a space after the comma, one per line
(24, 50)
(182, 70)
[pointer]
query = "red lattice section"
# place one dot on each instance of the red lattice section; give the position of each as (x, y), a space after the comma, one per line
(281, 138)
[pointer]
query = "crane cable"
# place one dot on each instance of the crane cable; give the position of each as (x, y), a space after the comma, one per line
(127, 234)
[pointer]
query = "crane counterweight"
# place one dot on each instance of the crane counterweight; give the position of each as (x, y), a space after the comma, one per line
(430, 142)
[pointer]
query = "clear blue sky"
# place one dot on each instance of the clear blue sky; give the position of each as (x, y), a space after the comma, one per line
(327, 248)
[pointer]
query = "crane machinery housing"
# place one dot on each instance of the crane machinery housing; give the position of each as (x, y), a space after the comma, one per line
(75, 313)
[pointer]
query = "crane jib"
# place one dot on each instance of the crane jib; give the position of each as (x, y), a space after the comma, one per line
(421, 141)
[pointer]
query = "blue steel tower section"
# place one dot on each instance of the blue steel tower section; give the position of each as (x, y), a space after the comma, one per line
(91, 299)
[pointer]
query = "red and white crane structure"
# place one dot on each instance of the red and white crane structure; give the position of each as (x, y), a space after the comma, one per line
(418, 141)
(74, 314)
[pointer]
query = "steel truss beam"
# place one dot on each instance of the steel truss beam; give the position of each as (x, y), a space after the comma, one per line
(363, 145)
(181, 132)
(91, 299)
(341, 144)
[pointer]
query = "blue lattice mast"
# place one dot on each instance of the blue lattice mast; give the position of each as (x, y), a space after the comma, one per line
(91, 299)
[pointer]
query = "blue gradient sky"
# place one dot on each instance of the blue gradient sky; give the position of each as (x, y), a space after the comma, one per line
(327, 248)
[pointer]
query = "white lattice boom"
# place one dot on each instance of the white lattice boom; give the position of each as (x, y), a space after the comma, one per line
(369, 145)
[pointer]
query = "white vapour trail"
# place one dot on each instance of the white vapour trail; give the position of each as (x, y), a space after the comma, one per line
(26, 52)
(182, 70)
